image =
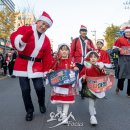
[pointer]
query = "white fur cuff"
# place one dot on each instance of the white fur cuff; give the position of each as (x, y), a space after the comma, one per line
(18, 43)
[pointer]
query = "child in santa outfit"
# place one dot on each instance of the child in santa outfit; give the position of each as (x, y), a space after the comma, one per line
(92, 68)
(103, 55)
(58, 96)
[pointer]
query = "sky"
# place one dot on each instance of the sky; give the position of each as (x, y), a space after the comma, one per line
(69, 15)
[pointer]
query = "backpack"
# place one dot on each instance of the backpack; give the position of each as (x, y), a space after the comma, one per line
(76, 39)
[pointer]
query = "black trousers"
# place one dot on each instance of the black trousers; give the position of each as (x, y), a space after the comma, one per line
(79, 66)
(120, 85)
(26, 92)
(11, 67)
(83, 84)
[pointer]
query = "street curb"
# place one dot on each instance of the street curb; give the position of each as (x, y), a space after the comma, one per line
(3, 77)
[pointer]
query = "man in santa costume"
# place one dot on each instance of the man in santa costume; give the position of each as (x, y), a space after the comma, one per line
(103, 55)
(80, 47)
(34, 56)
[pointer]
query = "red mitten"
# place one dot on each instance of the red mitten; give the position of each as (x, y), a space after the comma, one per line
(26, 36)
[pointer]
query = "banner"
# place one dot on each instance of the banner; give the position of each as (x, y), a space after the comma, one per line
(100, 84)
(62, 77)
(125, 50)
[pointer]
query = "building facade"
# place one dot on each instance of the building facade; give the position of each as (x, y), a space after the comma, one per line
(8, 3)
(11, 6)
(24, 19)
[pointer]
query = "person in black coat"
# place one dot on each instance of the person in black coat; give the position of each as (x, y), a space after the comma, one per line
(12, 61)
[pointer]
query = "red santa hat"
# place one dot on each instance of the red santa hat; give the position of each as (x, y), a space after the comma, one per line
(127, 29)
(101, 41)
(87, 57)
(83, 28)
(45, 17)
(63, 44)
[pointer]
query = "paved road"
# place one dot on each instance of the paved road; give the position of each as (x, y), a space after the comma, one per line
(113, 113)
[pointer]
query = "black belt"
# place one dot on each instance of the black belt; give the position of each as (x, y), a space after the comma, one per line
(30, 58)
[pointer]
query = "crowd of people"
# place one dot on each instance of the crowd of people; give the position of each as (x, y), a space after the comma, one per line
(7, 63)
(35, 61)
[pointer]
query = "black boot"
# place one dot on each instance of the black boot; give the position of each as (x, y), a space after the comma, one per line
(83, 90)
(29, 117)
(42, 106)
(42, 109)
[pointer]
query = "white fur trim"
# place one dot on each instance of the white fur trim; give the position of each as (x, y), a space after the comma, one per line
(20, 73)
(59, 101)
(82, 60)
(101, 40)
(27, 74)
(127, 30)
(18, 43)
(61, 90)
(38, 46)
(89, 53)
(80, 84)
(114, 47)
(62, 45)
(43, 18)
(99, 95)
(108, 65)
(83, 28)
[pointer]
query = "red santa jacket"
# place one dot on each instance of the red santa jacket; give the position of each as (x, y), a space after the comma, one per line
(104, 57)
(77, 50)
(121, 41)
(94, 71)
(62, 64)
(61, 98)
(36, 47)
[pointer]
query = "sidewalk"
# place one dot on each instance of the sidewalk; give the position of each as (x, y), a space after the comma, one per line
(2, 76)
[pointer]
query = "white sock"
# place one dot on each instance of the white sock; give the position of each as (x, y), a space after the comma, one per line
(59, 108)
(92, 110)
(65, 109)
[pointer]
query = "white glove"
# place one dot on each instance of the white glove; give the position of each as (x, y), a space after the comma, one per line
(100, 64)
